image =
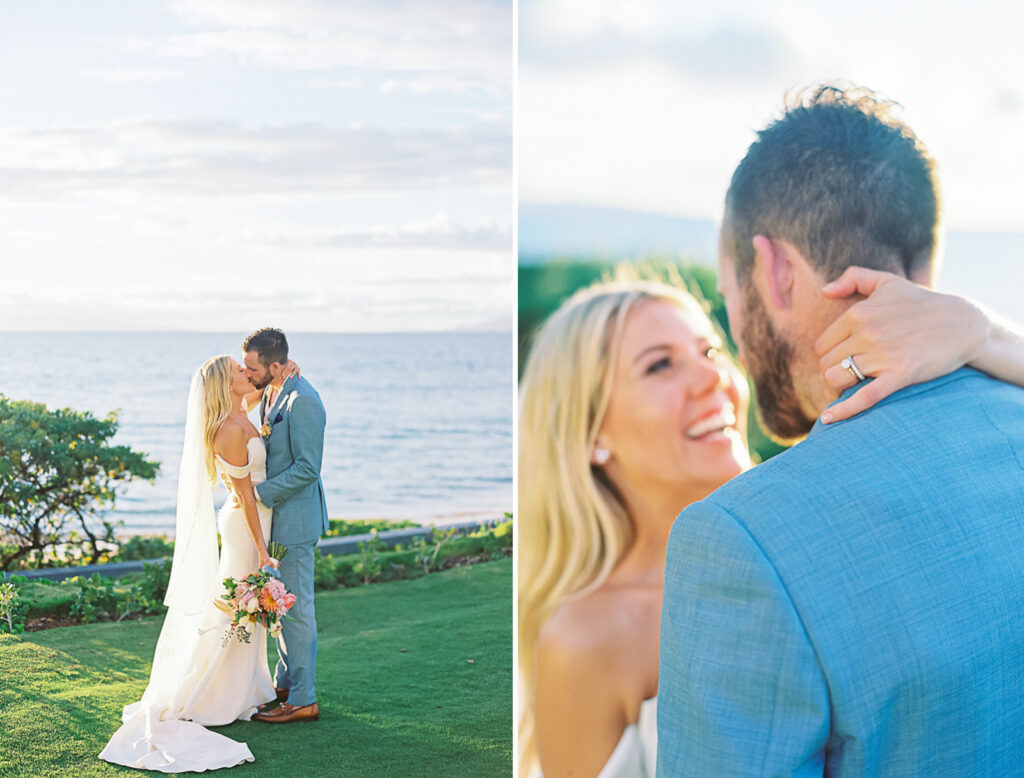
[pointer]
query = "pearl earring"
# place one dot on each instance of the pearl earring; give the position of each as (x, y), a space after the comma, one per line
(601, 456)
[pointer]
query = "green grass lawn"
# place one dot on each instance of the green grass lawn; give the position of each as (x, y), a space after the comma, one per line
(398, 695)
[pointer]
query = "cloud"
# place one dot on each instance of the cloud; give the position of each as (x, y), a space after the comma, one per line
(1008, 102)
(336, 83)
(395, 307)
(218, 158)
(465, 36)
(439, 83)
(134, 75)
(732, 52)
(437, 232)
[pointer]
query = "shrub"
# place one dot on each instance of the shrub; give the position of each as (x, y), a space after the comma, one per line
(324, 575)
(95, 598)
(370, 564)
(346, 527)
(139, 547)
(12, 610)
(57, 471)
(155, 576)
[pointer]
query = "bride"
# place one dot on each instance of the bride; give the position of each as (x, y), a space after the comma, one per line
(629, 411)
(196, 680)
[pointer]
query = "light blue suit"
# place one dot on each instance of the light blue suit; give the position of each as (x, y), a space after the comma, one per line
(293, 489)
(855, 606)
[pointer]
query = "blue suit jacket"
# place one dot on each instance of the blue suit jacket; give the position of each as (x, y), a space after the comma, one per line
(295, 451)
(855, 606)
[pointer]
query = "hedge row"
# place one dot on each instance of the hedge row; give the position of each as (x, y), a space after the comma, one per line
(42, 603)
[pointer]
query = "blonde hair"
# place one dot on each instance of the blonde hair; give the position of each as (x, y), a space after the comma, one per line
(216, 375)
(574, 527)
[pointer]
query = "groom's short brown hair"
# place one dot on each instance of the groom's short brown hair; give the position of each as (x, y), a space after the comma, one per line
(842, 179)
(269, 344)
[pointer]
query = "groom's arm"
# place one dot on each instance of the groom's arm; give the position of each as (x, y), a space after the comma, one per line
(740, 691)
(306, 422)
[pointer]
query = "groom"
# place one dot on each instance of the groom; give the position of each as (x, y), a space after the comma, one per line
(292, 419)
(855, 605)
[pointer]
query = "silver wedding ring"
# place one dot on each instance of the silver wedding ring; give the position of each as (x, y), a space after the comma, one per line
(850, 365)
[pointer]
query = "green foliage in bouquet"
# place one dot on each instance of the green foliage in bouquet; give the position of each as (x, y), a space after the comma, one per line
(58, 470)
(263, 600)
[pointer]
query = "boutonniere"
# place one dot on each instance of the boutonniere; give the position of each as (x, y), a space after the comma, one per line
(266, 429)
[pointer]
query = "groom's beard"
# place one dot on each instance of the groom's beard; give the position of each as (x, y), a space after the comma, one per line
(769, 358)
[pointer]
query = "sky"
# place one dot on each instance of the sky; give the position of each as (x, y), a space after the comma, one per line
(221, 165)
(649, 106)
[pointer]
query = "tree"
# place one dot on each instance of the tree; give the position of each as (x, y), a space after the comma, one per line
(57, 471)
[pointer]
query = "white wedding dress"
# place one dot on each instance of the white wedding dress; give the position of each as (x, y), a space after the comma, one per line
(637, 750)
(196, 681)
(635, 755)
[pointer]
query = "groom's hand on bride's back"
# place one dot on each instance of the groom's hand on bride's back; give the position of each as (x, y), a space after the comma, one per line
(900, 334)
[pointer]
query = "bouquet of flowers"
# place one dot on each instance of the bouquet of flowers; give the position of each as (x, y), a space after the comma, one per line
(259, 598)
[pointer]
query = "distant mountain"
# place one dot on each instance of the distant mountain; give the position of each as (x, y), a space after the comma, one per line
(500, 323)
(585, 231)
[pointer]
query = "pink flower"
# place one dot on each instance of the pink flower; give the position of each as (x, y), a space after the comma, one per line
(243, 598)
(272, 597)
(276, 588)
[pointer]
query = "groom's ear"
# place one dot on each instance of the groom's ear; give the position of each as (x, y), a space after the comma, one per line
(777, 271)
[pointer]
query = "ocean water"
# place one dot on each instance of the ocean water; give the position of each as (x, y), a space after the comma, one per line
(419, 425)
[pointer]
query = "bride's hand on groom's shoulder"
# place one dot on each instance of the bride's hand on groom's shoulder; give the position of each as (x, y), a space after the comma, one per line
(291, 368)
(900, 334)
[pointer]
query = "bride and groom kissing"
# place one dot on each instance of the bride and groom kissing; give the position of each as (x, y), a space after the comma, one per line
(200, 678)
(852, 606)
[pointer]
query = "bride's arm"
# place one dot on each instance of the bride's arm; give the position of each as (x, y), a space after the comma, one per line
(230, 445)
(904, 334)
(252, 399)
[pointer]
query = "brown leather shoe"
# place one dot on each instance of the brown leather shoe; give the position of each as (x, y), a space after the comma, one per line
(285, 714)
(282, 696)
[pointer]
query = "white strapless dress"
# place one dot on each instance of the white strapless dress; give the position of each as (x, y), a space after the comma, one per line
(166, 729)
(637, 751)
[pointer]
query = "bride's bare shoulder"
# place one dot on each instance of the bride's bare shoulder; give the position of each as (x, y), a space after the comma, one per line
(593, 630)
(229, 442)
(588, 682)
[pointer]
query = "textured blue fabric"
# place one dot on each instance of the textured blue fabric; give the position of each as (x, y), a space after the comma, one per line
(294, 490)
(855, 606)
(294, 453)
(296, 645)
